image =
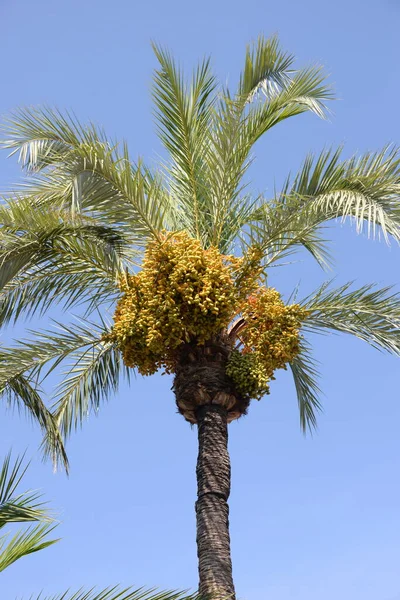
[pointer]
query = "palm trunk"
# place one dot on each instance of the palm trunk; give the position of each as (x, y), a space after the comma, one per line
(212, 511)
(206, 396)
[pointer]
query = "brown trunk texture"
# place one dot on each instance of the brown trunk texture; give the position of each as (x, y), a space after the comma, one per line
(206, 396)
(212, 511)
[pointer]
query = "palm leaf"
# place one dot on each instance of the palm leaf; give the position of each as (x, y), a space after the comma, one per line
(117, 593)
(19, 390)
(24, 543)
(305, 377)
(33, 237)
(21, 507)
(363, 190)
(66, 266)
(15, 507)
(239, 121)
(43, 136)
(267, 69)
(89, 380)
(22, 365)
(369, 313)
(83, 170)
(184, 117)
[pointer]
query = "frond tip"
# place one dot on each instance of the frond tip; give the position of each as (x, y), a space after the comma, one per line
(305, 377)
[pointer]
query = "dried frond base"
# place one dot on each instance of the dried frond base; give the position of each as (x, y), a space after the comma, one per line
(201, 379)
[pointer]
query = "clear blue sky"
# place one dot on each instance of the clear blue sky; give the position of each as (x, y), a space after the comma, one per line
(310, 518)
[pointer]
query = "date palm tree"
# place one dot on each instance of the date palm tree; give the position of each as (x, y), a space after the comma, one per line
(87, 213)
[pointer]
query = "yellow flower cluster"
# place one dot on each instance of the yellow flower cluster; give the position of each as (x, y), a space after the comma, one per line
(183, 293)
(270, 340)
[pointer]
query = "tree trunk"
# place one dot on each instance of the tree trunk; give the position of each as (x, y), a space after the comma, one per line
(206, 396)
(212, 511)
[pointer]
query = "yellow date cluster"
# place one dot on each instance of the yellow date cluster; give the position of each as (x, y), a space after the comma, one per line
(183, 293)
(270, 338)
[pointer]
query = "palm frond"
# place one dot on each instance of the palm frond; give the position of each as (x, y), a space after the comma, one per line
(24, 543)
(363, 190)
(89, 380)
(267, 69)
(369, 313)
(80, 169)
(240, 120)
(40, 242)
(71, 283)
(44, 136)
(18, 507)
(23, 391)
(284, 226)
(305, 376)
(306, 92)
(117, 593)
(184, 116)
(59, 263)
(93, 374)
(23, 507)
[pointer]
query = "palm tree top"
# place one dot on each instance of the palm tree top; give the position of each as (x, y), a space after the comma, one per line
(86, 213)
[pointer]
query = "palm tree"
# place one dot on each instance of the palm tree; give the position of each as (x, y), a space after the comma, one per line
(90, 227)
(21, 508)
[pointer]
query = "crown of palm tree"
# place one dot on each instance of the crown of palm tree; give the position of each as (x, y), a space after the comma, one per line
(84, 215)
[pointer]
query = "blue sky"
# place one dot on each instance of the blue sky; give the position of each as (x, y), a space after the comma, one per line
(311, 518)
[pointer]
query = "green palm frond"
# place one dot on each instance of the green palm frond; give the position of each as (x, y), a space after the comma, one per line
(47, 257)
(44, 136)
(64, 265)
(284, 226)
(32, 236)
(306, 92)
(228, 162)
(371, 314)
(104, 180)
(21, 390)
(363, 190)
(240, 120)
(267, 69)
(16, 507)
(184, 116)
(87, 382)
(117, 593)
(45, 347)
(80, 169)
(93, 374)
(21, 508)
(304, 369)
(24, 543)
(72, 282)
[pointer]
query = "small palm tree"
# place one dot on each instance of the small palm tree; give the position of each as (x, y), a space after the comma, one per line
(185, 252)
(23, 507)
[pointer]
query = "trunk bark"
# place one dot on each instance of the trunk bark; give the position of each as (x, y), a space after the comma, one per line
(212, 511)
